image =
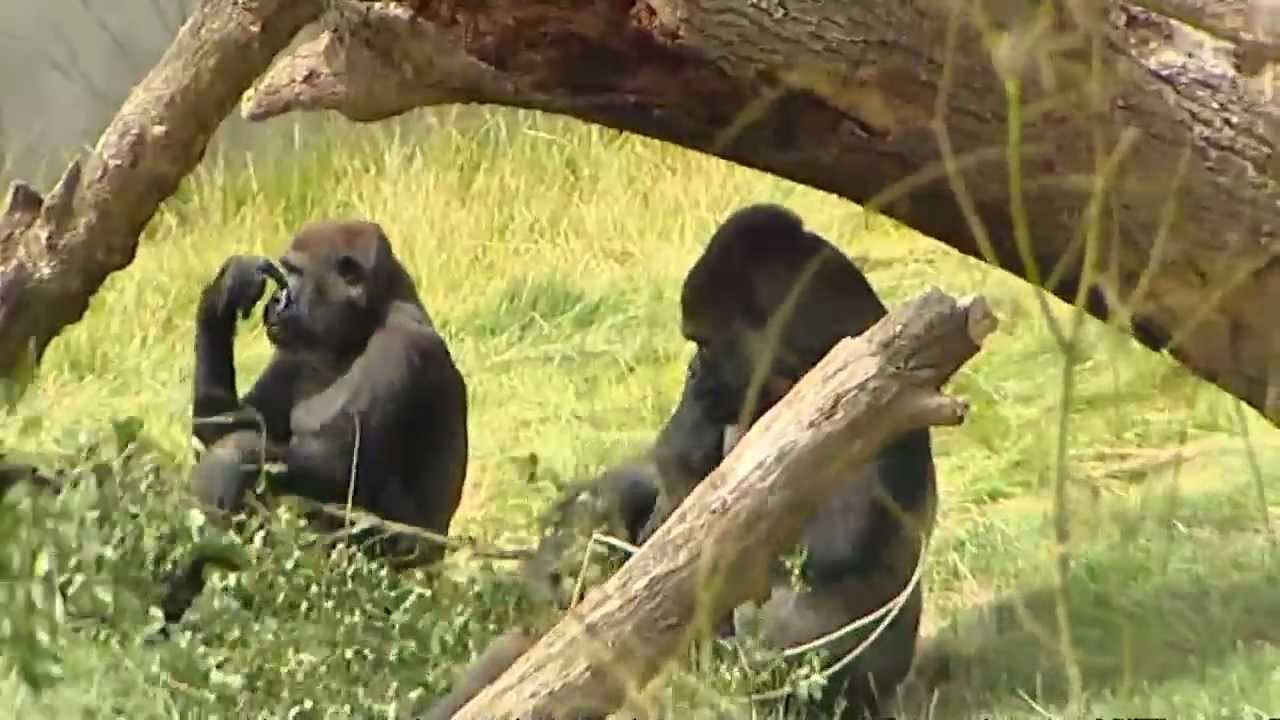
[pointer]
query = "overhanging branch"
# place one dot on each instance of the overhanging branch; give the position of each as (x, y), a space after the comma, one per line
(896, 106)
(1253, 26)
(854, 99)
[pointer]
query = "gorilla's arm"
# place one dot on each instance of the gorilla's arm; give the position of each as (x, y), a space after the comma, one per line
(700, 433)
(691, 444)
(215, 372)
(233, 292)
(227, 427)
(858, 534)
(687, 449)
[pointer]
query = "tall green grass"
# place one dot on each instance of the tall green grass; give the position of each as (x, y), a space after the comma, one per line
(550, 255)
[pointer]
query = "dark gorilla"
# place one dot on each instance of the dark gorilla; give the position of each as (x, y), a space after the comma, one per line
(361, 388)
(765, 302)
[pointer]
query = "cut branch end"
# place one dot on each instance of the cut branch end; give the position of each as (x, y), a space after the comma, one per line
(936, 409)
(982, 321)
(22, 200)
(376, 60)
(56, 212)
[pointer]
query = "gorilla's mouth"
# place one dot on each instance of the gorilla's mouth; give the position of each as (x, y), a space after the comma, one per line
(281, 328)
(279, 306)
(275, 334)
(279, 320)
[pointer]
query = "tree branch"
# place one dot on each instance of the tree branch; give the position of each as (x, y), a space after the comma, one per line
(897, 106)
(1251, 25)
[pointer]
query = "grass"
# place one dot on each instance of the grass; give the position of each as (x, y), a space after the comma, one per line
(550, 254)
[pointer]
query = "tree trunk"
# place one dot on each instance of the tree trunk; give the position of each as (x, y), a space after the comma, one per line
(750, 509)
(55, 252)
(1143, 185)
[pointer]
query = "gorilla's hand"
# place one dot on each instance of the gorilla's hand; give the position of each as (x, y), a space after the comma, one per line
(241, 284)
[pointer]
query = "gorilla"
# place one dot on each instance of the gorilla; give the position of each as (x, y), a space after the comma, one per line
(765, 302)
(361, 389)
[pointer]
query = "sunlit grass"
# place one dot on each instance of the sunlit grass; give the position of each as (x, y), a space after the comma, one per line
(550, 254)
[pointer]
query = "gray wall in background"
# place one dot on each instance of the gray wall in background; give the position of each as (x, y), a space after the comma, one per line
(67, 65)
(65, 68)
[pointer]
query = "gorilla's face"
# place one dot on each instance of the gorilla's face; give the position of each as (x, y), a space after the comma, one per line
(715, 383)
(734, 372)
(323, 301)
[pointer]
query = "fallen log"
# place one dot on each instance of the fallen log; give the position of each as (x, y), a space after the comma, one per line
(866, 391)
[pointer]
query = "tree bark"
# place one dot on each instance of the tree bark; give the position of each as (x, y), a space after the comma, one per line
(1138, 133)
(55, 252)
(1147, 177)
(866, 391)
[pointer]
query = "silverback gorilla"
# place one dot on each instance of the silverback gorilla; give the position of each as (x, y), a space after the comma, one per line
(359, 377)
(763, 304)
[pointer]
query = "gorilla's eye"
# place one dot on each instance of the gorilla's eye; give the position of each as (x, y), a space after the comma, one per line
(350, 270)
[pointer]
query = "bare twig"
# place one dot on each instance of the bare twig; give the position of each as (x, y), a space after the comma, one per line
(365, 519)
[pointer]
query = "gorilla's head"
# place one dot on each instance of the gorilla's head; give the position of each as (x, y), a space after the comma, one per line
(338, 279)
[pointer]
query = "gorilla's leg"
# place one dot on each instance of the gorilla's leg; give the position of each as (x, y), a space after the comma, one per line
(397, 504)
(862, 550)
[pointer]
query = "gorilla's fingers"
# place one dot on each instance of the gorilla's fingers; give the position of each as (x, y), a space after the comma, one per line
(269, 269)
(242, 287)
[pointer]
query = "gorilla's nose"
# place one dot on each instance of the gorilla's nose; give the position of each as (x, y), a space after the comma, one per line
(281, 299)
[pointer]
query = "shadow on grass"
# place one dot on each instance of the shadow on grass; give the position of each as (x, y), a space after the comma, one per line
(1146, 636)
(1176, 603)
